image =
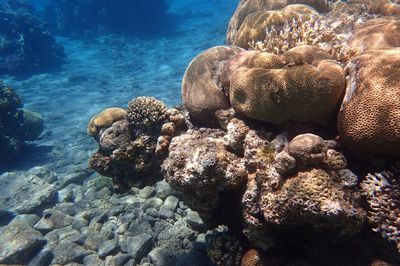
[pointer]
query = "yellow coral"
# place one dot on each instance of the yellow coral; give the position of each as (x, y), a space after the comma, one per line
(105, 119)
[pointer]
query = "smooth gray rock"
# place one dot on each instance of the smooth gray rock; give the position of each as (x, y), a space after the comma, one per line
(172, 236)
(133, 201)
(78, 222)
(137, 246)
(194, 258)
(152, 212)
(93, 241)
(153, 202)
(147, 192)
(19, 243)
(121, 259)
(44, 173)
(160, 256)
(108, 228)
(165, 212)
(92, 259)
(171, 202)
(21, 192)
(108, 247)
(194, 220)
(52, 219)
(104, 193)
(67, 252)
(74, 178)
(29, 219)
(65, 195)
(137, 227)
(58, 235)
(43, 258)
(163, 190)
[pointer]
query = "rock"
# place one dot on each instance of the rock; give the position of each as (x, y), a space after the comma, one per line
(29, 219)
(24, 193)
(67, 252)
(64, 195)
(194, 258)
(159, 256)
(90, 194)
(44, 257)
(165, 212)
(194, 220)
(152, 212)
(163, 190)
(153, 202)
(92, 259)
(138, 246)
(93, 241)
(44, 173)
(171, 237)
(133, 201)
(121, 259)
(19, 243)
(90, 214)
(58, 235)
(52, 219)
(108, 247)
(147, 192)
(171, 202)
(79, 222)
(137, 227)
(74, 178)
(115, 210)
(104, 193)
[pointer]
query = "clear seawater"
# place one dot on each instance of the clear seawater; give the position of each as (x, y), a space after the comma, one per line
(112, 70)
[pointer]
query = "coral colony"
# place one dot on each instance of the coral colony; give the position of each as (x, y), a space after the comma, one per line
(255, 145)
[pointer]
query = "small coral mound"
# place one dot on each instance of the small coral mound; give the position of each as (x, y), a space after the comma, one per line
(291, 90)
(252, 257)
(382, 191)
(223, 248)
(105, 119)
(369, 118)
(253, 27)
(385, 7)
(145, 112)
(202, 91)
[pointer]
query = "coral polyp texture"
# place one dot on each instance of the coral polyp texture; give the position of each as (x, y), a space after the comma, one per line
(382, 191)
(146, 112)
(254, 25)
(369, 117)
(202, 91)
(248, 7)
(105, 119)
(291, 90)
(385, 7)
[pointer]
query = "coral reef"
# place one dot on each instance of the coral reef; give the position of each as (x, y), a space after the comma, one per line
(248, 7)
(313, 31)
(133, 143)
(17, 125)
(385, 7)
(252, 258)
(80, 18)
(368, 120)
(254, 25)
(25, 45)
(202, 91)
(292, 89)
(382, 191)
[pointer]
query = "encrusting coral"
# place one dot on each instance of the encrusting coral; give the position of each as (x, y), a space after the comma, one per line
(382, 191)
(104, 119)
(369, 118)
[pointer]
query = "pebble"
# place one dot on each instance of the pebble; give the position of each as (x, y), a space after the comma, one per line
(74, 178)
(171, 202)
(108, 247)
(93, 241)
(78, 222)
(147, 192)
(29, 219)
(153, 202)
(163, 189)
(194, 220)
(159, 256)
(133, 201)
(67, 252)
(137, 246)
(44, 257)
(165, 212)
(121, 259)
(92, 259)
(52, 219)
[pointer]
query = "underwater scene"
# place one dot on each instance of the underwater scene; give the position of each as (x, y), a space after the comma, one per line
(200, 132)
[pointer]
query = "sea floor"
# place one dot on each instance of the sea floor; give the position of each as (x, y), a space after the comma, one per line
(61, 204)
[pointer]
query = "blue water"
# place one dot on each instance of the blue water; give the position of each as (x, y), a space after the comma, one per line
(108, 70)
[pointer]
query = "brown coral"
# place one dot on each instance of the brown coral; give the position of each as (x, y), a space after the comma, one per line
(382, 191)
(252, 257)
(105, 119)
(247, 7)
(202, 93)
(253, 27)
(379, 33)
(146, 112)
(385, 7)
(369, 118)
(298, 91)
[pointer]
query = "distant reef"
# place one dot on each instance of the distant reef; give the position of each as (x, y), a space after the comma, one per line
(17, 125)
(26, 47)
(79, 18)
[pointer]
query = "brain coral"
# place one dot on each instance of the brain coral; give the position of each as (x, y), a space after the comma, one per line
(376, 33)
(297, 91)
(105, 119)
(254, 25)
(383, 195)
(247, 7)
(146, 112)
(202, 93)
(369, 118)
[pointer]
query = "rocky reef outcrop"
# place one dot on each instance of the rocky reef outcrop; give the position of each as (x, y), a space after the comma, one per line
(17, 125)
(25, 44)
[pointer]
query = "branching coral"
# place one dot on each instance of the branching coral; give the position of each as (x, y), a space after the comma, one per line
(382, 191)
(314, 31)
(146, 112)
